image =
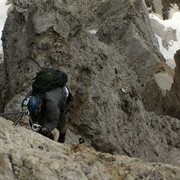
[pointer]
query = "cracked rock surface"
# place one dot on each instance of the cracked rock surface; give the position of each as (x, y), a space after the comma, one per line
(113, 75)
(28, 155)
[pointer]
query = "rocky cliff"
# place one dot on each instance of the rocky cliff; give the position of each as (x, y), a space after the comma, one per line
(111, 56)
(171, 100)
(162, 7)
(28, 155)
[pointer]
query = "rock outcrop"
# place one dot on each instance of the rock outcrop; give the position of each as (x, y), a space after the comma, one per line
(172, 99)
(129, 32)
(167, 4)
(113, 74)
(28, 155)
(161, 7)
(3, 87)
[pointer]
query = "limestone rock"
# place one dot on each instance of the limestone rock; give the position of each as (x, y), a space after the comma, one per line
(171, 100)
(3, 86)
(129, 32)
(122, 54)
(28, 155)
(161, 7)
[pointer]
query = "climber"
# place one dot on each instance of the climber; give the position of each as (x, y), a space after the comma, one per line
(47, 107)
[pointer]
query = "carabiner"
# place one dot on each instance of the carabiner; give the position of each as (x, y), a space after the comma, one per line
(36, 127)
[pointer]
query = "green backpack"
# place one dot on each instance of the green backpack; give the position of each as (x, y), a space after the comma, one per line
(48, 79)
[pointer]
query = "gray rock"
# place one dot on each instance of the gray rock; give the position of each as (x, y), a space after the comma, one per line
(162, 7)
(27, 155)
(122, 55)
(171, 101)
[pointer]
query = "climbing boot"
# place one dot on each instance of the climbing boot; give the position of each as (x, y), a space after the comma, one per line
(61, 138)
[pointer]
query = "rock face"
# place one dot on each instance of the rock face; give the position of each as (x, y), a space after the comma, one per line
(113, 74)
(3, 87)
(167, 5)
(129, 32)
(161, 7)
(171, 101)
(28, 155)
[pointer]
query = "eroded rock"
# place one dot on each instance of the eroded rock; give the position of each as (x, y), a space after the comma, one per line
(122, 54)
(27, 155)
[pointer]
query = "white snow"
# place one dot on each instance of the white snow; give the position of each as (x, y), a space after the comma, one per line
(168, 34)
(94, 31)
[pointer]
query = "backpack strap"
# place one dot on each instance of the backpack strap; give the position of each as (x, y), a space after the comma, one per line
(67, 91)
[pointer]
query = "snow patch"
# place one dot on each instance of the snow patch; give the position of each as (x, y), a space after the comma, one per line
(93, 31)
(168, 34)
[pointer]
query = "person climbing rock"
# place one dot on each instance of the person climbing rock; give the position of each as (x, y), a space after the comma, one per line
(48, 103)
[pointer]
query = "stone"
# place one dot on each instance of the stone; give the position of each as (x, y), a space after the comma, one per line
(122, 54)
(27, 155)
